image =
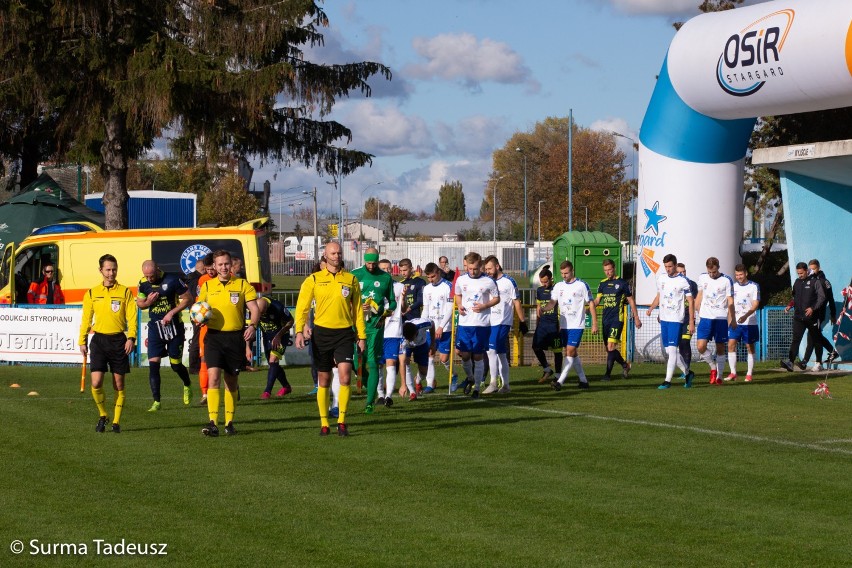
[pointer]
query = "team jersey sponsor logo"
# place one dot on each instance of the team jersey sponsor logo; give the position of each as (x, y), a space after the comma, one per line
(192, 254)
(751, 57)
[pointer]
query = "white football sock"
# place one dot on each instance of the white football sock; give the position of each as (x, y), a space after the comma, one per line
(493, 366)
(504, 368)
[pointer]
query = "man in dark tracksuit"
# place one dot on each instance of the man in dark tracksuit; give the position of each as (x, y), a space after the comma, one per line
(808, 298)
(816, 342)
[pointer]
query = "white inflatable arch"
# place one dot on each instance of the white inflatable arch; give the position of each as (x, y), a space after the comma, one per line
(722, 70)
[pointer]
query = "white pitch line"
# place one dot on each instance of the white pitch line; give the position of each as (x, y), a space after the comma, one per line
(697, 430)
(840, 441)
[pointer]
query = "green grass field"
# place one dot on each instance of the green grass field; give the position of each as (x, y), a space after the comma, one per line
(619, 475)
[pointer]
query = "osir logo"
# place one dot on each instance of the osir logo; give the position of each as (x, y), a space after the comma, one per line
(752, 57)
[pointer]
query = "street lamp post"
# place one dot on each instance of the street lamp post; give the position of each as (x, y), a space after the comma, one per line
(280, 198)
(494, 217)
(379, 225)
(313, 193)
(586, 207)
(293, 212)
(524, 261)
(633, 146)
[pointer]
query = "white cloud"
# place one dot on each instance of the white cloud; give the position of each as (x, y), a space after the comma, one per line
(387, 131)
(474, 137)
(462, 57)
(418, 189)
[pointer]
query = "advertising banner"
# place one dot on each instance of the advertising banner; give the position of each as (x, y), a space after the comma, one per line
(40, 334)
(684, 209)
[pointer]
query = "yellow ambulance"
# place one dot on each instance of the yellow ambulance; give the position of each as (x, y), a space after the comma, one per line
(74, 249)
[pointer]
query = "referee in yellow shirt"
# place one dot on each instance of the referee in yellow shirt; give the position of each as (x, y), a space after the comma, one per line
(337, 320)
(113, 308)
(225, 342)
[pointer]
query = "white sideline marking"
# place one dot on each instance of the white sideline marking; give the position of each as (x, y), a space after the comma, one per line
(751, 438)
(840, 441)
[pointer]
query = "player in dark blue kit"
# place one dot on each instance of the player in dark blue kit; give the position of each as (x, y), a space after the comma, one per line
(275, 324)
(612, 294)
(164, 296)
(412, 306)
(546, 336)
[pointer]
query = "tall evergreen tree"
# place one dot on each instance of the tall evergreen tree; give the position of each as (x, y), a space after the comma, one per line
(450, 204)
(225, 74)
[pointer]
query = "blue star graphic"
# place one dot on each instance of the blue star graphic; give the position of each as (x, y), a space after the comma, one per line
(654, 218)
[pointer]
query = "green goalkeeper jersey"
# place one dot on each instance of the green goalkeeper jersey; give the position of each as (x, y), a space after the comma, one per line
(376, 292)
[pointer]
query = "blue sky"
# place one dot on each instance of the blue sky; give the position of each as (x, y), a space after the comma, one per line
(467, 74)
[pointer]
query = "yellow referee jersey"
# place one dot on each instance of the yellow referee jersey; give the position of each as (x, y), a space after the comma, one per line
(114, 310)
(228, 300)
(338, 301)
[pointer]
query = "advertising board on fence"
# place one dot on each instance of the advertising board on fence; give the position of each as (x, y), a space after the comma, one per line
(40, 335)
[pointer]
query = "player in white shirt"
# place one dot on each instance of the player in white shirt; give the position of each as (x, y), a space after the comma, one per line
(393, 339)
(746, 296)
(573, 297)
(715, 306)
(502, 317)
(673, 297)
(475, 294)
(417, 343)
(438, 307)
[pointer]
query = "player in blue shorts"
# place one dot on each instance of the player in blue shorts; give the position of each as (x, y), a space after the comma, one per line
(475, 294)
(438, 307)
(164, 295)
(573, 297)
(715, 308)
(746, 296)
(673, 297)
(392, 342)
(502, 319)
(418, 344)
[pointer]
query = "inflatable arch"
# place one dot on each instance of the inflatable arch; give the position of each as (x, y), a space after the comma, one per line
(722, 70)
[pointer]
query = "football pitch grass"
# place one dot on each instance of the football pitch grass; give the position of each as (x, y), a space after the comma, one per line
(622, 474)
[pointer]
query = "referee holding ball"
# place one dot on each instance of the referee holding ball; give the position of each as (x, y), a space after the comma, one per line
(225, 343)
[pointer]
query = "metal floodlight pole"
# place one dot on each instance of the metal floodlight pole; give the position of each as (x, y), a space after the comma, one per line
(633, 146)
(570, 169)
(524, 260)
(316, 234)
(379, 225)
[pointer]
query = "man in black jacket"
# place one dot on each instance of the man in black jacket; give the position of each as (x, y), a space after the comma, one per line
(808, 298)
(816, 342)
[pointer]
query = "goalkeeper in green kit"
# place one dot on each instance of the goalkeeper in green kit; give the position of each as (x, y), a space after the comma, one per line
(377, 301)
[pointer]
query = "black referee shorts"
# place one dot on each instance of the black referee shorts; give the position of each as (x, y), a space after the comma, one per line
(332, 346)
(225, 350)
(107, 354)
